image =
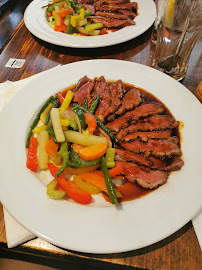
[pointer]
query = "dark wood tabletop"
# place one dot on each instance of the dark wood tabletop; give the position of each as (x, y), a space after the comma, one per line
(180, 250)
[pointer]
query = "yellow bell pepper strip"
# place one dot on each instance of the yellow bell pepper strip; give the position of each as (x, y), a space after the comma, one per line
(82, 169)
(36, 120)
(93, 26)
(64, 122)
(91, 122)
(51, 147)
(73, 191)
(94, 104)
(108, 181)
(66, 101)
(32, 163)
(93, 152)
(101, 125)
(86, 186)
(54, 193)
(110, 157)
(37, 130)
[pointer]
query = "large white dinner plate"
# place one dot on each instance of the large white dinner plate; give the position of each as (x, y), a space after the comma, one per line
(100, 227)
(36, 23)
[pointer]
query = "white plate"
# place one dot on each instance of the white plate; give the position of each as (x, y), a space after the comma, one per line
(100, 227)
(36, 23)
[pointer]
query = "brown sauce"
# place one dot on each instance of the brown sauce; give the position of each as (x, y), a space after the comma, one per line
(131, 191)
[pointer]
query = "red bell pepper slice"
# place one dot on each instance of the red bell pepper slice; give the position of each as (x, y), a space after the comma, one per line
(32, 163)
(91, 122)
(71, 189)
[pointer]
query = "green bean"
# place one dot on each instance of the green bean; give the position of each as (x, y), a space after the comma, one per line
(64, 154)
(108, 181)
(85, 102)
(51, 7)
(101, 125)
(75, 158)
(94, 104)
(51, 131)
(36, 120)
(46, 14)
(81, 116)
(55, 103)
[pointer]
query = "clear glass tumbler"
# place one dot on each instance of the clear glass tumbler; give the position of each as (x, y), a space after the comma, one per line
(178, 27)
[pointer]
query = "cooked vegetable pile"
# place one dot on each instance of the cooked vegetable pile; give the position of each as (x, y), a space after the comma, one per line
(70, 18)
(65, 139)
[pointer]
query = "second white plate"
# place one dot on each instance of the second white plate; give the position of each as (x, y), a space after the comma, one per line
(36, 23)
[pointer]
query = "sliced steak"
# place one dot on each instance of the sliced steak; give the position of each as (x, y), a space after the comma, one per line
(108, 2)
(156, 122)
(144, 177)
(131, 100)
(132, 116)
(129, 13)
(112, 15)
(115, 7)
(144, 136)
(111, 23)
(151, 162)
(158, 148)
(101, 87)
(174, 164)
(116, 93)
(83, 89)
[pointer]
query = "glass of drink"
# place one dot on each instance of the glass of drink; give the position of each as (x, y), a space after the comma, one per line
(178, 27)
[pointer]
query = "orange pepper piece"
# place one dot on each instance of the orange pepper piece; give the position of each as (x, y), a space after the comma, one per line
(93, 152)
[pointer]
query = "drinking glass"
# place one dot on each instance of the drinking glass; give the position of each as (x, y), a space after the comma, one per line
(178, 27)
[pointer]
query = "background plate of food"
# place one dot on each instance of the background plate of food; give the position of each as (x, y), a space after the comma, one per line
(101, 227)
(127, 20)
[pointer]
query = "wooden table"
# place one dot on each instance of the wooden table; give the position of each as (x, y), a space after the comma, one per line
(179, 251)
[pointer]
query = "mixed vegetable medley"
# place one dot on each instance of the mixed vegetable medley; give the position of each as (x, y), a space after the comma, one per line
(68, 17)
(67, 139)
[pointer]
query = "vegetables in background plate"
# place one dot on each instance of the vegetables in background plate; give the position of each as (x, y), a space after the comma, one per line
(70, 18)
(68, 146)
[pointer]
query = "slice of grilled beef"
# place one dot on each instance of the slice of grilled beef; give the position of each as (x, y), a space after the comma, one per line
(156, 122)
(111, 23)
(174, 164)
(101, 87)
(130, 100)
(129, 13)
(115, 7)
(144, 135)
(116, 93)
(158, 148)
(151, 162)
(112, 15)
(143, 176)
(83, 89)
(108, 2)
(142, 111)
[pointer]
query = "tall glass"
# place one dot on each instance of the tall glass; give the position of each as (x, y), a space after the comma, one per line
(178, 27)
